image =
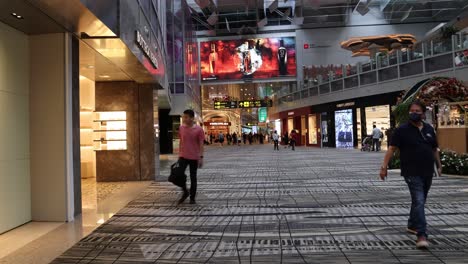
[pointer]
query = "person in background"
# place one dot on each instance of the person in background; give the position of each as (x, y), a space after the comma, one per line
(375, 138)
(234, 139)
(191, 152)
(275, 138)
(286, 140)
(293, 139)
(418, 147)
(221, 138)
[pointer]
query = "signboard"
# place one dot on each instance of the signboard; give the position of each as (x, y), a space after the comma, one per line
(217, 123)
(345, 104)
(344, 128)
(225, 104)
(243, 104)
(262, 114)
(255, 103)
(251, 124)
(147, 50)
(255, 58)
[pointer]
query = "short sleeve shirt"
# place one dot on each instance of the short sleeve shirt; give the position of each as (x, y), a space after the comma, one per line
(376, 133)
(416, 149)
(191, 139)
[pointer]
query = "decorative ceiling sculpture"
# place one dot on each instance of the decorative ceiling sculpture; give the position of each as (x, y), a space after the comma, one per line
(370, 45)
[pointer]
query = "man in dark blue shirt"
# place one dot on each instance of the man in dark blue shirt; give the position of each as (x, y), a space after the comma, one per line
(418, 147)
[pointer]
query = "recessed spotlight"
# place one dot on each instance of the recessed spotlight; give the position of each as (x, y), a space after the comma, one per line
(104, 76)
(17, 16)
(90, 67)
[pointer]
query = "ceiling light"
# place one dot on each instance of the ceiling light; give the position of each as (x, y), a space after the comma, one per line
(104, 76)
(17, 16)
(90, 67)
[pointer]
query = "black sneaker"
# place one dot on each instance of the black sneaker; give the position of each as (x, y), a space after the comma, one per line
(192, 201)
(184, 196)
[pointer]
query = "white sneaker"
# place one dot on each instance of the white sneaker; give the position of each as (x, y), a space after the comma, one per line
(422, 243)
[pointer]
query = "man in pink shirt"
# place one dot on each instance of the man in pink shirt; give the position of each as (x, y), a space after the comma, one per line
(190, 152)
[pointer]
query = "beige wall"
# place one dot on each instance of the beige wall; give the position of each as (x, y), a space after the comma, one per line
(48, 127)
(15, 196)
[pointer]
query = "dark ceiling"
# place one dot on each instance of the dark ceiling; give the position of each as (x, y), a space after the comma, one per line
(244, 15)
(33, 20)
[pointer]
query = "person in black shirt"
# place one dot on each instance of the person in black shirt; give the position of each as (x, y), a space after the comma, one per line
(418, 147)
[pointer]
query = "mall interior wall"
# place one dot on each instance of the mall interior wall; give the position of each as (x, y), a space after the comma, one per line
(50, 139)
(15, 195)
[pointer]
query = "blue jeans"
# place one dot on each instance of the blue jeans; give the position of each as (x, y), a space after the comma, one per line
(419, 188)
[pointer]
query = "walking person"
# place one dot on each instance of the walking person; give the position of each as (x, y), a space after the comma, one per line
(376, 138)
(293, 139)
(418, 147)
(234, 139)
(191, 152)
(221, 138)
(286, 140)
(275, 138)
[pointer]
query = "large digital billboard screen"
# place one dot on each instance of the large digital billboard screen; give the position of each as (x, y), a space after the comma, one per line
(255, 58)
(344, 128)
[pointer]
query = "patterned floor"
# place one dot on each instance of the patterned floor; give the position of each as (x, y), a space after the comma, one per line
(259, 206)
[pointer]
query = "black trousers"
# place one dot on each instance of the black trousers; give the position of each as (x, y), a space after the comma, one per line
(193, 175)
(276, 145)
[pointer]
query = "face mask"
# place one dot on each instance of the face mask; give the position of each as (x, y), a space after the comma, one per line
(415, 117)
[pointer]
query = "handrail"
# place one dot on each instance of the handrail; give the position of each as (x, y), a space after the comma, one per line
(412, 62)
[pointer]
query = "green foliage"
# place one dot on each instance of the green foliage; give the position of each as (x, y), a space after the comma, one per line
(447, 32)
(453, 163)
(395, 161)
(401, 113)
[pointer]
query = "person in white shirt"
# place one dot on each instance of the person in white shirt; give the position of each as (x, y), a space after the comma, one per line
(275, 137)
(376, 138)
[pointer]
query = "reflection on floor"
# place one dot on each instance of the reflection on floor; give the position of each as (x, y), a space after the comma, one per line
(39, 242)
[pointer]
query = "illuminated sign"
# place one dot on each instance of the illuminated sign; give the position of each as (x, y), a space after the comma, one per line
(217, 123)
(255, 103)
(145, 47)
(345, 104)
(247, 59)
(262, 114)
(225, 104)
(243, 104)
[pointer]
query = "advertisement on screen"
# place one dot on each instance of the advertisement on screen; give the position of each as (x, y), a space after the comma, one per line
(255, 58)
(344, 128)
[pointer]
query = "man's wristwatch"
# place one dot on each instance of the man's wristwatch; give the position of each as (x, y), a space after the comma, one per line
(383, 168)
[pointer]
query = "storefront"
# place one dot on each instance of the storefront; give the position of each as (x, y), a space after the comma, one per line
(345, 124)
(305, 123)
(215, 127)
(83, 79)
(452, 127)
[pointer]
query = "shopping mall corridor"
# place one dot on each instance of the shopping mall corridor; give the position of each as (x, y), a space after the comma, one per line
(305, 206)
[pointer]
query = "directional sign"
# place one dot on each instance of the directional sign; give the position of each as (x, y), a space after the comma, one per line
(225, 104)
(255, 103)
(242, 104)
